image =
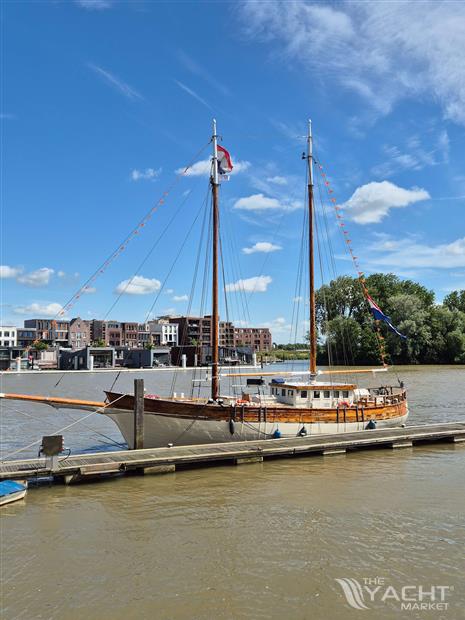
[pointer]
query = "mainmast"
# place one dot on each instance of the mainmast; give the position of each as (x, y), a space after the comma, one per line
(311, 250)
(215, 316)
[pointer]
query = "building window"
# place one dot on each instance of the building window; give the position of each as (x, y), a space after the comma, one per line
(316, 394)
(326, 394)
(303, 394)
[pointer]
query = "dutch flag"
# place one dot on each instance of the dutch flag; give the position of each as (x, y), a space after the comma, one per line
(224, 161)
(380, 316)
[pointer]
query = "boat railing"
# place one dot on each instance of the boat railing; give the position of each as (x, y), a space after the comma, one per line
(384, 395)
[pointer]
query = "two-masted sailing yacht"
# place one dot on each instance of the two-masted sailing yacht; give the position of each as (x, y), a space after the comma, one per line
(291, 408)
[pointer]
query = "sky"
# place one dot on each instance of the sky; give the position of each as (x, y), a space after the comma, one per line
(105, 103)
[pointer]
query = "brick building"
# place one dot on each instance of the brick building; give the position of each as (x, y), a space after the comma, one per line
(79, 333)
(257, 338)
(197, 330)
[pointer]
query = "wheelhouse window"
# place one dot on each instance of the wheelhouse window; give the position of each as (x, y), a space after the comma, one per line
(326, 394)
(283, 392)
(290, 392)
(336, 394)
(303, 394)
(316, 394)
(345, 393)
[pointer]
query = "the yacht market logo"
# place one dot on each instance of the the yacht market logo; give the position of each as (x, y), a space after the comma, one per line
(370, 591)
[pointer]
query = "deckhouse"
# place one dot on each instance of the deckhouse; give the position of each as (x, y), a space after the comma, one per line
(314, 395)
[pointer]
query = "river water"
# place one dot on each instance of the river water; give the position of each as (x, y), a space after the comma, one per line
(258, 541)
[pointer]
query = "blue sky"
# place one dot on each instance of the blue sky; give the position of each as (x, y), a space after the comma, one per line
(103, 102)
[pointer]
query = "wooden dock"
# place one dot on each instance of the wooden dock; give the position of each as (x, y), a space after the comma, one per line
(163, 460)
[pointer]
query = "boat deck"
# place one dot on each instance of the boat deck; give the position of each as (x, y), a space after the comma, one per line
(160, 460)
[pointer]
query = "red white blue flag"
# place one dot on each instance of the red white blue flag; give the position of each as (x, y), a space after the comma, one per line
(380, 316)
(224, 161)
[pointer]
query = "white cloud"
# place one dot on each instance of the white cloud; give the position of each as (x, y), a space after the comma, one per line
(384, 51)
(277, 180)
(138, 285)
(262, 246)
(89, 290)
(257, 284)
(260, 202)
(192, 93)
(40, 309)
(370, 203)
(61, 274)
(115, 82)
(181, 298)
(409, 254)
(39, 277)
(415, 157)
(94, 5)
(203, 168)
(149, 174)
(9, 272)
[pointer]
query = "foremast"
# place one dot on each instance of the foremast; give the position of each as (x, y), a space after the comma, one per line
(311, 267)
(215, 328)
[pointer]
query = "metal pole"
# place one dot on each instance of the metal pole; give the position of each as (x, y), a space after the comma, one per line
(311, 251)
(138, 414)
(215, 314)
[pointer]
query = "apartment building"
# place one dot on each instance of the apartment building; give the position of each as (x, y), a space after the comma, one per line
(8, 336)
(50, 330)
(79, 333)
(163, 333)
(257, 338)
(26, 336)
(197, 330)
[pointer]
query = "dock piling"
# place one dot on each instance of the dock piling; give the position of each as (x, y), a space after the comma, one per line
(138, 414)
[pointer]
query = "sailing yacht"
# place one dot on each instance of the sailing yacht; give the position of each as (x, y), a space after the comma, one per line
(297, 403)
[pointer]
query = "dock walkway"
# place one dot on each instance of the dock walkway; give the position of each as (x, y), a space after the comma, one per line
(162, 460)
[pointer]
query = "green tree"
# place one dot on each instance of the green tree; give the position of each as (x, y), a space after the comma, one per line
(455, 300)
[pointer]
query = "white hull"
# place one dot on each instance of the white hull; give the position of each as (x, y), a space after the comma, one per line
(12, 497)
(161, 430)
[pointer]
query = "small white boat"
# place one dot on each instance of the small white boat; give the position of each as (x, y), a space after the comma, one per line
(12, 491)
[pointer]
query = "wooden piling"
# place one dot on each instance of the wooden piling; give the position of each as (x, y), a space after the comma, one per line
(138, 414)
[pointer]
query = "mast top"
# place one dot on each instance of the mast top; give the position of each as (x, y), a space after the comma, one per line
(215, 154)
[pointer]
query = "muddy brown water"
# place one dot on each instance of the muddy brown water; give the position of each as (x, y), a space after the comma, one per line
(259, 541)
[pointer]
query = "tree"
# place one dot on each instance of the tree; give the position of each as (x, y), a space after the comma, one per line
(98, 343)
(39, 345)
(455, 300)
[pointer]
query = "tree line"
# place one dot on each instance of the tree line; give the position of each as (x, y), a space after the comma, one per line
(347, 333)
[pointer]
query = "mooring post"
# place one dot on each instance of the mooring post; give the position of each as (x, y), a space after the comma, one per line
(138, 414)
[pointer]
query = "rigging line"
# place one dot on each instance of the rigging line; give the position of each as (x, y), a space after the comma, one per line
(114, 382)
(65, 428)
(41, 420)
(342, 328)
(147, 256)
(360, 274)
(174, 263)
(122, 245)
(182, 336)
(300, 270)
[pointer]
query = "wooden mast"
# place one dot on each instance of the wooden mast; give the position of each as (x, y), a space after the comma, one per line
(214, 338)
(311, 250)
